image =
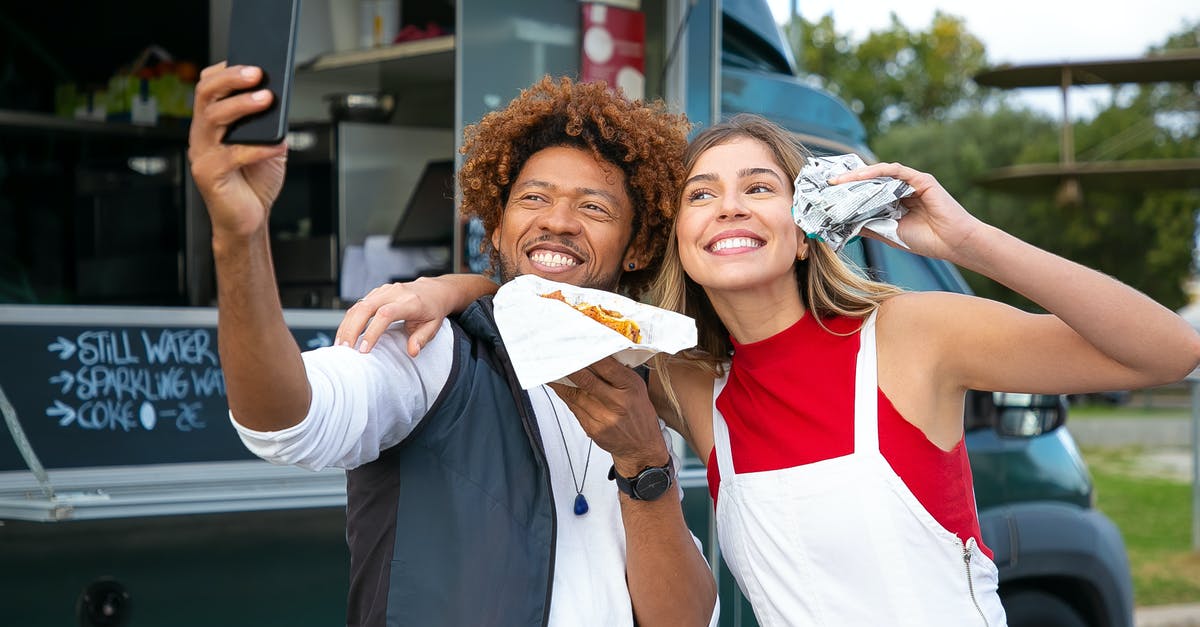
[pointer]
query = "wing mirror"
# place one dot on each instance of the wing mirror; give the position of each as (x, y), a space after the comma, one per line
(1026, 415)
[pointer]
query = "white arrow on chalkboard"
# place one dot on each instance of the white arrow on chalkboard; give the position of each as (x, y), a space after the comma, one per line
(64, 347)
(64, 378)
(64, 412)
(320, 341)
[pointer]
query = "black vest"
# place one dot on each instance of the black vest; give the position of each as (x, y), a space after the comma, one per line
(455, 525)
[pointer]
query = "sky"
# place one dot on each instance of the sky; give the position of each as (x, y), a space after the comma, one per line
(1026, 31)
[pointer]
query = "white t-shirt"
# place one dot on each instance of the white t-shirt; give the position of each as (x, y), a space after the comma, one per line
(365, 403)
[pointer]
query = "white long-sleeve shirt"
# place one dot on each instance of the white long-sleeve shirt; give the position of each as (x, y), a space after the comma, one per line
(365, 403)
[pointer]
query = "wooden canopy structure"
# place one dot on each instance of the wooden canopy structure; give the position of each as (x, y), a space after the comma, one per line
(1103, 175)
(1178, 66)
(1067, 175)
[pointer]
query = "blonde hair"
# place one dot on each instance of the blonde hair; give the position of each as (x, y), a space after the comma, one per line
(828, 286)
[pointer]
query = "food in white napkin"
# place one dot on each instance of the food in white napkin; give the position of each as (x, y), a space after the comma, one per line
(548, 339)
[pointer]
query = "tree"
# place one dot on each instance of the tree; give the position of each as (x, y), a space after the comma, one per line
(914, 94)
(1144, 237)
(896, 75)
(960, 150)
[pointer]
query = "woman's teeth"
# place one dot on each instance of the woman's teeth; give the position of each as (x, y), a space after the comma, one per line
(736, 242)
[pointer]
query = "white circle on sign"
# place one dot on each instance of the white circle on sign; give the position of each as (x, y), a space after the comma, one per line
(147, 416)
(632, 83)
(598, 44)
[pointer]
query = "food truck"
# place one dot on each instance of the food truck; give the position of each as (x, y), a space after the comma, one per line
(126, 497)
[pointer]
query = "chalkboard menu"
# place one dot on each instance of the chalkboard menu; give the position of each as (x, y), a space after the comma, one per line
(89, 390)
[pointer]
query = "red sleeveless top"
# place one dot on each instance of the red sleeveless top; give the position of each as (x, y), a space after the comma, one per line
(789, 401)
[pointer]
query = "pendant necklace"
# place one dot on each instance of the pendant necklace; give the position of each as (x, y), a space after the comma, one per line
(581, 504)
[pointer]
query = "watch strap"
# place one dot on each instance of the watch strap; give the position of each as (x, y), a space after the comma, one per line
(630, 485)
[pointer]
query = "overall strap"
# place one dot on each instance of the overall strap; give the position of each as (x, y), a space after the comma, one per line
(721, 432)
(866, 391)
(884, 516)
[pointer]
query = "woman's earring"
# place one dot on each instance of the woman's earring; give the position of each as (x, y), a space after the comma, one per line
(632, 265)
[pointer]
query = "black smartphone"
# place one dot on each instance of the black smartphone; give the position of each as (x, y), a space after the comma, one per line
(263, 33)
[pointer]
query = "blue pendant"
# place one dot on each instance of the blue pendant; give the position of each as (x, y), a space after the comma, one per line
(581, 506)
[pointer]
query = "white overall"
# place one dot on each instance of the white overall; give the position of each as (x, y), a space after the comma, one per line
(843, 542)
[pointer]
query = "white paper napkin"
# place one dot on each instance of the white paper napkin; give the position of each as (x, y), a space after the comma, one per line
(548, 339)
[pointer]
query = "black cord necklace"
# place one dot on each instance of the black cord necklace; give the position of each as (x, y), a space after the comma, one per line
(581, 504)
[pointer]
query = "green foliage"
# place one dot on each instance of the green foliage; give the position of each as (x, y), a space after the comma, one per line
(1188, 37)
(896, 75)
(1144, 237)
(914, 93)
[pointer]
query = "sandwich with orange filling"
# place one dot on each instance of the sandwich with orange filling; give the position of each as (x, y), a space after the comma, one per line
(607, 317)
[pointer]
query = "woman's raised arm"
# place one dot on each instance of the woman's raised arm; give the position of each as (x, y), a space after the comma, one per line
(422, 305)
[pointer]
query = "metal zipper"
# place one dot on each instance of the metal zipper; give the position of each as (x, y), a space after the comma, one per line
(968, 549)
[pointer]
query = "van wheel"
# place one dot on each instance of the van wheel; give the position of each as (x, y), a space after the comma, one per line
(1033, 608)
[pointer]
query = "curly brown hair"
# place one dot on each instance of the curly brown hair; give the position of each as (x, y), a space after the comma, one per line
(644, 140)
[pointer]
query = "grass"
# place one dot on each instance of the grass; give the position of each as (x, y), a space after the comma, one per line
(1131, 410)
(1154, 515)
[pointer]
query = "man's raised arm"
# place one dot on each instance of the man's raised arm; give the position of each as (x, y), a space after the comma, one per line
(264, 376)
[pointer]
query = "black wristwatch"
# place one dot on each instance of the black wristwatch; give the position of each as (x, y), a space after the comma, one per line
(649, 484)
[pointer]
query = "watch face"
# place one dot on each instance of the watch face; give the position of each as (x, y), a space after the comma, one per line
(651, 483)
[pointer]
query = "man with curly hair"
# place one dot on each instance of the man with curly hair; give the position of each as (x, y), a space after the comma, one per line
(470, 501)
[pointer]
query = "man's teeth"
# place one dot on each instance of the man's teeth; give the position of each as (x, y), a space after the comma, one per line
(736, 242)
(552, 259)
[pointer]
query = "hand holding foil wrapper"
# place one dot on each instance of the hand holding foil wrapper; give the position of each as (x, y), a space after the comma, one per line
(836, 213)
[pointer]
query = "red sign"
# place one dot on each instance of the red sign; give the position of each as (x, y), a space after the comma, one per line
(614, 48)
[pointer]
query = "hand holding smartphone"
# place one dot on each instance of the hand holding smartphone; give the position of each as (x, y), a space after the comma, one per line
(263, 33)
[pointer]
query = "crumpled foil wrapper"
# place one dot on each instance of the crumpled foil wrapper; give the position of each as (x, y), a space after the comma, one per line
(835, 214)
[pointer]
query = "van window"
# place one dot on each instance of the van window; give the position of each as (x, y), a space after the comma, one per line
(905, 269)
(855, 256)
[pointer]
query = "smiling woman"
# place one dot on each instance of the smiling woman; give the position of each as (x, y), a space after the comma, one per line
(829, 408)
(714, 241)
